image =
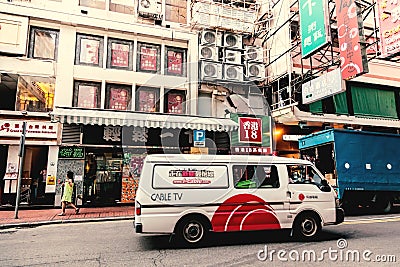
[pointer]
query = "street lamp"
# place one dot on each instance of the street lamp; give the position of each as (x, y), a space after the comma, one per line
(21, 156)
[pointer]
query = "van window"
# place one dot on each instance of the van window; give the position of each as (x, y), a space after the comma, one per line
(303, 174)
(255, 176)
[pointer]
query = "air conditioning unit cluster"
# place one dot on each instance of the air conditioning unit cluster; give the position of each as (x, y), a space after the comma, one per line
(150, 9)
(254, 62)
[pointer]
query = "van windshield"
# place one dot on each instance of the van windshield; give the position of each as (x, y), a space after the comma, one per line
(303, 174)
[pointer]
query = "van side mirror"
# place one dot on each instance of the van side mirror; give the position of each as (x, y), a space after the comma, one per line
(324, 187)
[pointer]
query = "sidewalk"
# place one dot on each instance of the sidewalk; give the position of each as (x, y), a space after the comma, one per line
(29, 218)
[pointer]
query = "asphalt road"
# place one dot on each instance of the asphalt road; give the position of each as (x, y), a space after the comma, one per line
(116, 244)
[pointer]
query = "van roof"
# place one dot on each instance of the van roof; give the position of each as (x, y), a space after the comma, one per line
(222, 158)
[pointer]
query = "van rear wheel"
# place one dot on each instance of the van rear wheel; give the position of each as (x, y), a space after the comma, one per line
(307, 226)
(192, 231)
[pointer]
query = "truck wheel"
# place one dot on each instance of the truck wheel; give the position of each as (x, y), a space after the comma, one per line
(192, 231)
(307, 226)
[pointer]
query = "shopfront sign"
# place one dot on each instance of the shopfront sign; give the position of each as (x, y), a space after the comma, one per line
(251, 150)
(250, 130)
(71, 152)
(34, 129)
(326, 85)
(199, 138)
(389, 22)
(313, 25)
(353, 58)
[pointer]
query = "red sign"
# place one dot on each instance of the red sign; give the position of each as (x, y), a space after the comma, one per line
(119, 99)
(148, 58)
(175, 60)
(147, 101)
(250, 130)
(119, 55)
(87, 97)
(389, 21)
(353, 59)
(175, 103)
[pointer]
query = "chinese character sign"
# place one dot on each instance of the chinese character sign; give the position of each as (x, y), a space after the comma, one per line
(389, 22)
(313, 25)
(250, 130)
(119, 55)
(175, 61)
(148, 58)
(353, 58)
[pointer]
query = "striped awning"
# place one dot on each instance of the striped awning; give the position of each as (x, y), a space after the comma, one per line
(139, 119)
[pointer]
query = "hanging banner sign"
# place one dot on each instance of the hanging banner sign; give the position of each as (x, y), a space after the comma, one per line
(389, 24)
(313, 25)
(353, 58)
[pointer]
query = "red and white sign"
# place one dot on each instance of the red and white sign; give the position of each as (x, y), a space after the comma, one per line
(250, 130)
(389, 22)
(251, 150)
(33, 129)
(353, 59)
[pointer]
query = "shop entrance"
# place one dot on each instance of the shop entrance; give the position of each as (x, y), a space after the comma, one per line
(3, 166)
(35, 173)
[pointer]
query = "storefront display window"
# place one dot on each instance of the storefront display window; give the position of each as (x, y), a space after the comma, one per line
(119, 54)
(149, 57)
(89, 50)
(35, 93)
(43, 43)
(175, 102)
(176, 11)
(147, 99)
(118, 97)
(86, 95)
(176, 61)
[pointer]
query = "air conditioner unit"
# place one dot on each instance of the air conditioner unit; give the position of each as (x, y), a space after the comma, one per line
(208, 53)
(232, 56)
(211, 70)
(232, 40)
(233, 72)
(149, 8)
(254, 53)
(255, 71)
(211, 38)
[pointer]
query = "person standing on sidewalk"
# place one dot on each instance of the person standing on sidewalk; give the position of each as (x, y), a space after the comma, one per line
(67, 194)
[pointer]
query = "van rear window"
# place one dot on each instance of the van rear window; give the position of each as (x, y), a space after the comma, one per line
(190, 176)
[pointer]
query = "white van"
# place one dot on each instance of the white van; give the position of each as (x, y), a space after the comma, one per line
(191, 195)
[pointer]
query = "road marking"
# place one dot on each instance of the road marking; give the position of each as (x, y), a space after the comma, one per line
(373, 220)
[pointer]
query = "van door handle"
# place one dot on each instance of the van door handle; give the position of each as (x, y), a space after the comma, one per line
(289, 194)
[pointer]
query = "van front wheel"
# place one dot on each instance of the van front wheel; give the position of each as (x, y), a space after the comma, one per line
(191, 231)
(307, 226)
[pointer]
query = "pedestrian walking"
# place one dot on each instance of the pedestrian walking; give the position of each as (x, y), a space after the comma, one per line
(66, 199)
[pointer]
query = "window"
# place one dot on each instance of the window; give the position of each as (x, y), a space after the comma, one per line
(100, 4)
(303, 174)
(174, 101)
(176, 61)
(89, 50)
(87, 94)
(119, 54)
(204, 106)
(255, 176)
(8, 90)
(149, 57)
(176, 11)
(43, 43)
(35, 93)
(118, 97)
(147, 99)
(122, 6)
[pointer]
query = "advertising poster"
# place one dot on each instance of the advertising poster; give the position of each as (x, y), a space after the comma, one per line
(147, 101)
(148, 58)
(119, 99)
(389, 22)
(120, 55)
(87, 97)
(89, 53)
(175, 103)
(175, 61)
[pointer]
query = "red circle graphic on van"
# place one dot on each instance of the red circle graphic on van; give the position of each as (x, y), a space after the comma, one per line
(244, 212)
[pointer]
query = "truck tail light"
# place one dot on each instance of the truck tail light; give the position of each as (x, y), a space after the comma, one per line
(138, 208)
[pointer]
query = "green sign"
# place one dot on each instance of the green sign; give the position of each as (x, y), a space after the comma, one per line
(71, 152)
(313, 25)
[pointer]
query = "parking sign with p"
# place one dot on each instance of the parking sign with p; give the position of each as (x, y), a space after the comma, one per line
(199, 138)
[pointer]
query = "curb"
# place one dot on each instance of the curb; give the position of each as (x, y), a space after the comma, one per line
(35, 224)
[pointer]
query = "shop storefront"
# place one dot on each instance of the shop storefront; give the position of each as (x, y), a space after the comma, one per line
(111, 149)
(39, 166)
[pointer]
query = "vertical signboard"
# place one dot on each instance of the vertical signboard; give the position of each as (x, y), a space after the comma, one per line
(353, 58)
(389, 24)
(313, 25)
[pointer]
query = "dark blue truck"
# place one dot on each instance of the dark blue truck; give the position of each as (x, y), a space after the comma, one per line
(363, 167)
